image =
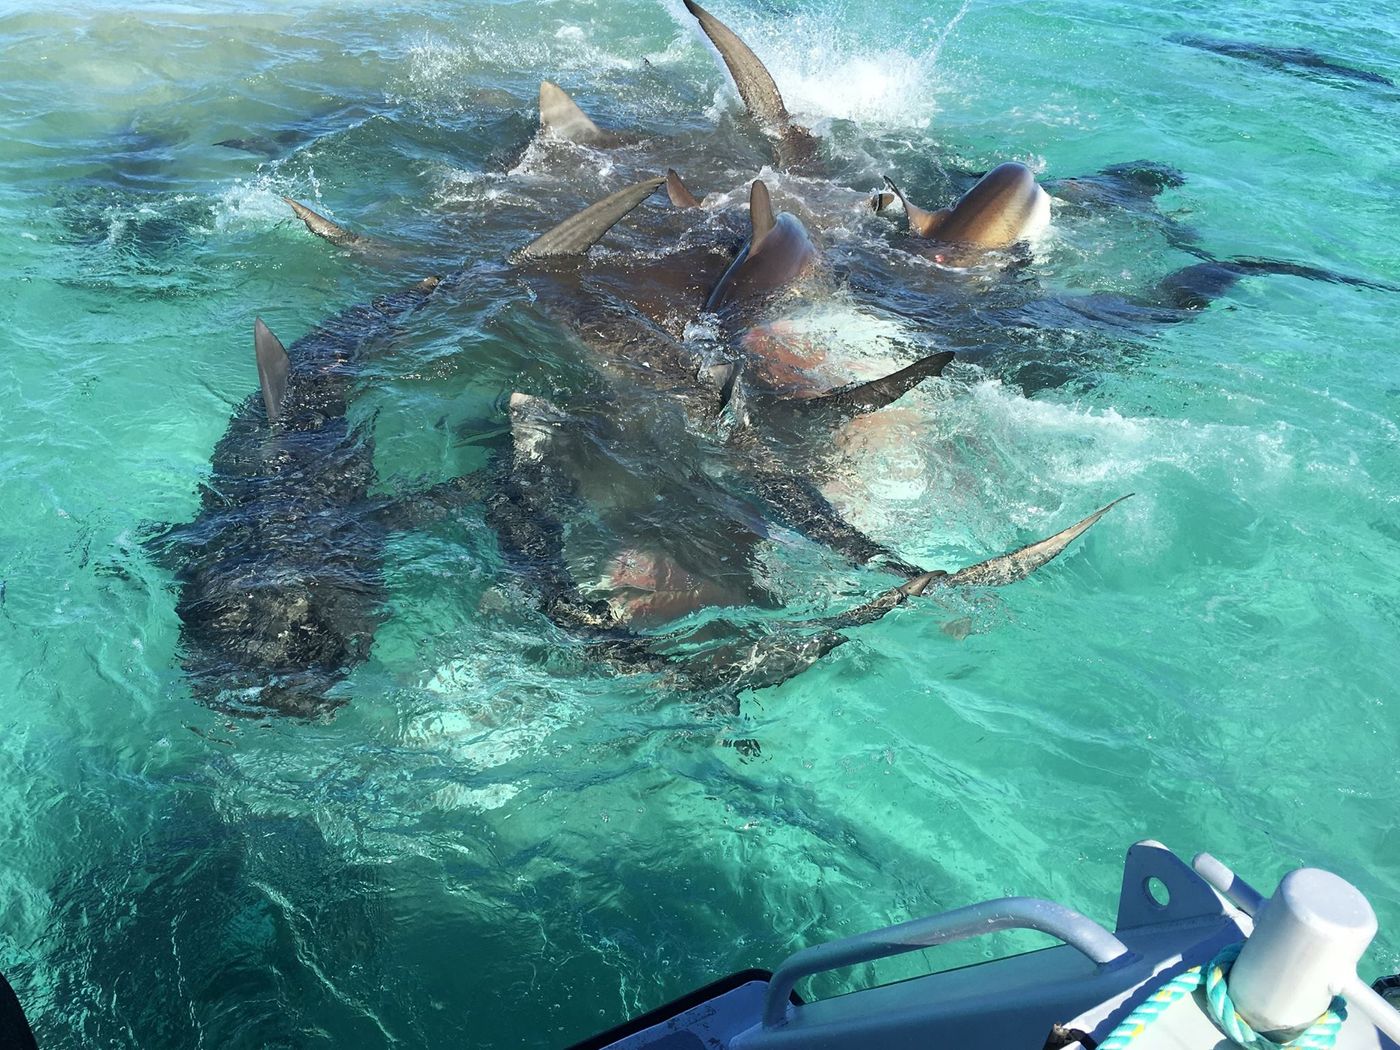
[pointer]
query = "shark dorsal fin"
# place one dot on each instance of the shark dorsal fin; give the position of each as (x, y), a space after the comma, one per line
(681, 197)
(322, 226)
(576, 234)
(924, 223)
(848, 402)
(560, 115)
(273, 365)
(755, 83)
(760, 214)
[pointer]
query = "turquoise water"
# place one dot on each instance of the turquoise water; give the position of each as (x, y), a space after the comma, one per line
(499, 842)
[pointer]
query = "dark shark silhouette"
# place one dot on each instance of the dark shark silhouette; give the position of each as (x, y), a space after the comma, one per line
(1300, 61)
(279, 574)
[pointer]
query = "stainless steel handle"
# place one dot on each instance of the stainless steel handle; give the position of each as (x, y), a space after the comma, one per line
(1009, 913)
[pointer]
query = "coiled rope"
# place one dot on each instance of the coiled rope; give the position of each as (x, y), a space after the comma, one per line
(1321, 1035)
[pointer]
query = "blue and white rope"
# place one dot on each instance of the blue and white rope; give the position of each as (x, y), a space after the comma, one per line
(1321, 1035)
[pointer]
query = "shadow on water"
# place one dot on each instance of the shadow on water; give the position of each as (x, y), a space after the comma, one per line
(230, 926)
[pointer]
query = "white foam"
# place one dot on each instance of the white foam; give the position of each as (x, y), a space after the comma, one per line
(880, 73)
(994, 463)
(257, 201)
(483, 732)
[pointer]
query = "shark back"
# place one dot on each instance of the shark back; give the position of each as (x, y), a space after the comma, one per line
(280, 587)
(777, 253)
(1006, 206)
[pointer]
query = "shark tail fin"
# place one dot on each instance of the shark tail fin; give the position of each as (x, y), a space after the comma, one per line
(761, 218)
(858, 399)
(320, 225)
(756, 85)
(575, 235)
(273, 366)
(923, 222)
(1017, 565)
(785, 654)
(561, 116)
(680, 195)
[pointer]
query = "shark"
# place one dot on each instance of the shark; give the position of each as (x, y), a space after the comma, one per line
(1301, 61)
(279, 573)
(642, 538)
(574, 502)
(632, 517)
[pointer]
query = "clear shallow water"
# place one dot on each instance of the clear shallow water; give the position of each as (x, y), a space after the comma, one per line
(497, 841)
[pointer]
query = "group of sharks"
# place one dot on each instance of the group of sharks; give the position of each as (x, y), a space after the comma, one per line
(629, 518)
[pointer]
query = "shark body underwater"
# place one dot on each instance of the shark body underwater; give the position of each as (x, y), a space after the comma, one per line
(280, 587)
(990, 227)
(627, 515)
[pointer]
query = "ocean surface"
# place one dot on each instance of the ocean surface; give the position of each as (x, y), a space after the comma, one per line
(498, 840)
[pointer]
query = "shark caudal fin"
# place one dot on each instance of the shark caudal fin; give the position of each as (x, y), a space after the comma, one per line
(796, 647)
(860, 398)
(922, 222)
(273, 366)
(323, 227)
(756, 85)
(1248, 266)
(793, 144)
(1017, 565)
(575, 235)
(562, 118)
(994, 572)
(681, 197)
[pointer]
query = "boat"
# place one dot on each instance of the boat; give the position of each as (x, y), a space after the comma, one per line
(1197, 960)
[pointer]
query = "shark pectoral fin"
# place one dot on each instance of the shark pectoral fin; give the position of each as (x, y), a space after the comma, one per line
(575, 235)
(273, 365)
(922, 223)
(761, 218)
(755, 83)
(1008, 568)
(1146, 178)
(322, 226)
(680, 196)
(561, 117)
(847, 402)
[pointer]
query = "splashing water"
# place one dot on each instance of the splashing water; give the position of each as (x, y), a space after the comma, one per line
(502, 839)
